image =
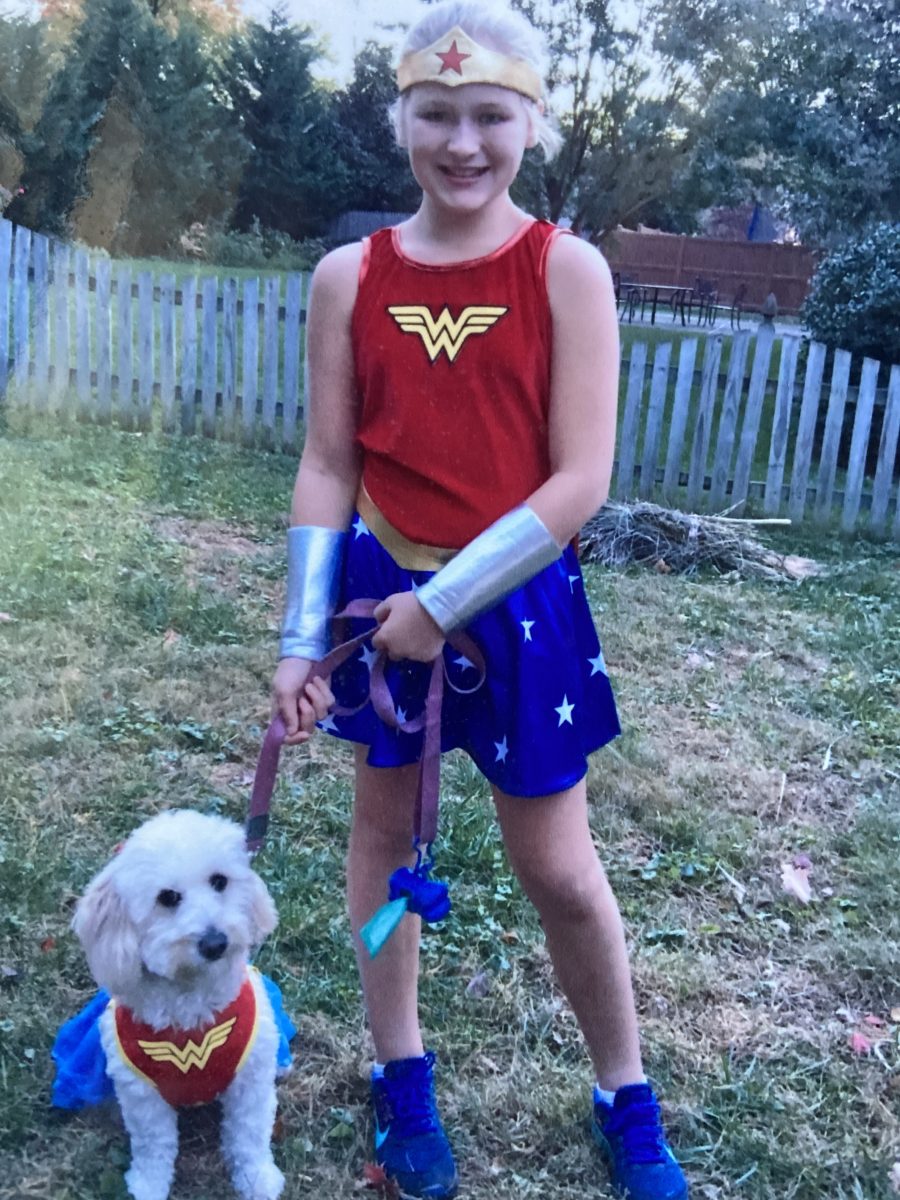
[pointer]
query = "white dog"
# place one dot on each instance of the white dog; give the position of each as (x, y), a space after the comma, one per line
(168, 926)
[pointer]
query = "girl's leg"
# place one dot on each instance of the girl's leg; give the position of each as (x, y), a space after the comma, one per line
(550, 848)
(380, 841)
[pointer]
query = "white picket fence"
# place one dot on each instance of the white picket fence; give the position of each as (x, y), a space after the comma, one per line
(80, 338)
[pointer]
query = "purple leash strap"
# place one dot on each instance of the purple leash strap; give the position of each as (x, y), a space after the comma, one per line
(428, 788)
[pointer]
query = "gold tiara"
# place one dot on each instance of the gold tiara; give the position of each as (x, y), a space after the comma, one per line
(455, 59)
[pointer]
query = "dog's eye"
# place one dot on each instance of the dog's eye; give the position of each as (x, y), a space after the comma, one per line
(218, 883)
(169, 898)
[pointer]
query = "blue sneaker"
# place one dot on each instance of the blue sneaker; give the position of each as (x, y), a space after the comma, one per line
(631, 1136)
(410, 1143)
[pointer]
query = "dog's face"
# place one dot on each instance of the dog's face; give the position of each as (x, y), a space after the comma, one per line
(178, 899)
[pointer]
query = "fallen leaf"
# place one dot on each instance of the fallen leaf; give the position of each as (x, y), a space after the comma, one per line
(48, 943)
(170, 637)
(7, 617)
(802, 862)
(871, 1019)
(374, 1177)
(694, 660)
(895, 1015)
(860, 1044)
(894, 1178)
(794, 882)
(663, 567)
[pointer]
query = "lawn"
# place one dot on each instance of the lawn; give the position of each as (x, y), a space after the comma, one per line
(139, 594)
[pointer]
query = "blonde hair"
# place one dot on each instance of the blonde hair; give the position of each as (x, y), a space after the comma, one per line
(499, 28)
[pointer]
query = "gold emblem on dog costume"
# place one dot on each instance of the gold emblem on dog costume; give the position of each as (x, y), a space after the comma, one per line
(443, 332)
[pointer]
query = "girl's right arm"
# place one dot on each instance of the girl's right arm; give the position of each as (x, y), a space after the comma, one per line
(328, 476)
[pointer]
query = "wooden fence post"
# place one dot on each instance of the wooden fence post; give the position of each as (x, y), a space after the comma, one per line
(102, 330)
(291, 389)
(806, 428)
(731, 404)
(40, 251)
(167, 352)
(831, 441)
(250, 364)
(687, 356)
(124, 359)
(709, 382)
(188, 354)
(21, 302)
(270, 360)
(145, 352)
(209, 355)
(856, 466)
(60, 368)
(6, 232)
(229, 356)
(630, 424)
(887, 450)
(659, 382)
(781, 425)
(759, 376)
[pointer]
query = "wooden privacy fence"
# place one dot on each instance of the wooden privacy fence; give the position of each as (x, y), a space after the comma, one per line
(780, 425)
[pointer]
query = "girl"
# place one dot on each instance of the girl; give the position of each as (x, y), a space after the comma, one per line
(462, 405)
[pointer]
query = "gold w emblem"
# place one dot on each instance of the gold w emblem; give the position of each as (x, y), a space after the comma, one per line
(442, 332)
(190, 1055)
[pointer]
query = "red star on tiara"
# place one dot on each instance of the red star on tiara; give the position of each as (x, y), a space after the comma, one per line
(452, 59)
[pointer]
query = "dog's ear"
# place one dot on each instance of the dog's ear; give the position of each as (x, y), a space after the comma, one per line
(107, 934)
(263, 917)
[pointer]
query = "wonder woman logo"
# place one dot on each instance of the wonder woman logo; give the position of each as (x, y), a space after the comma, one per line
(190, 1055)
(443, 332)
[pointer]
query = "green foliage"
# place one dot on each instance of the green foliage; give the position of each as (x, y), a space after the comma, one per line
(378, 174)
(853, 299)
(293, 168)
(264, 249)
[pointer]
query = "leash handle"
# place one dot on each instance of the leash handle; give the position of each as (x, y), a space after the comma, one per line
(428, 786)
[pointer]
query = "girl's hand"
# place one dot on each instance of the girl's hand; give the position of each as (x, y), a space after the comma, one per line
(301, 704)
(406, 630)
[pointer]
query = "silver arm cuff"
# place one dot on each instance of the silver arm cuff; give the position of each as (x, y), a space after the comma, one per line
(314, 558)
(506, 555)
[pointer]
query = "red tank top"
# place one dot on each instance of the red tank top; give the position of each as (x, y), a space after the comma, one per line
(453, 370)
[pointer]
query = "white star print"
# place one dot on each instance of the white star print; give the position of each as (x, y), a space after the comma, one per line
(360, 526)
(502, 750)
(401, 717)
(463, 662)
(573, 579)
(597, 664)
(368, 656)
(328, 724)
(565, 711)
(526, 626)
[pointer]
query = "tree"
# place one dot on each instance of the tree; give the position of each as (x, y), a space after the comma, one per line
(798, 104)
(134, 142)
(293, 173)
(377, 171)
(626, 130)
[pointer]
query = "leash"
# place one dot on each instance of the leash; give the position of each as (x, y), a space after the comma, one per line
(410, 889)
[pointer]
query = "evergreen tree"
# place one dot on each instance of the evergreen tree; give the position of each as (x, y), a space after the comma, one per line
(293, 177)
(378, 174)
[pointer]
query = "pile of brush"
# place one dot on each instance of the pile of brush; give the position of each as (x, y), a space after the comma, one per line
(684, 543)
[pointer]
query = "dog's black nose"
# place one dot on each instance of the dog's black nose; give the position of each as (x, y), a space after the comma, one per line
(213, 944)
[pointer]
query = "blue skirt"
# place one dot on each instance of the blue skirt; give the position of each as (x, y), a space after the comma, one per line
(546, 702)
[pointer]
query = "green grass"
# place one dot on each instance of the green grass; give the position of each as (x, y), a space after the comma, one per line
(139, 587)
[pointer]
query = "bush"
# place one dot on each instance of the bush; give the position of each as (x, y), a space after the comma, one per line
(266, 249)
(854, 299)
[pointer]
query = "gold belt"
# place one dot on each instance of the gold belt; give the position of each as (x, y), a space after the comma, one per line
(411, 556)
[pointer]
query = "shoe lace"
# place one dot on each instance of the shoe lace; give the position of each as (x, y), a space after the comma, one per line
(411, 1099)
(639, 1128)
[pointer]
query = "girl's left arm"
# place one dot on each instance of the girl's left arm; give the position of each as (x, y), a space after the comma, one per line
(584, 386)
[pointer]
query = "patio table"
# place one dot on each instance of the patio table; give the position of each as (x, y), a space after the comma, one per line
(672, 294)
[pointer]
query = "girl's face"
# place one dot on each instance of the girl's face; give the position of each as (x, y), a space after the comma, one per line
(465, 143)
